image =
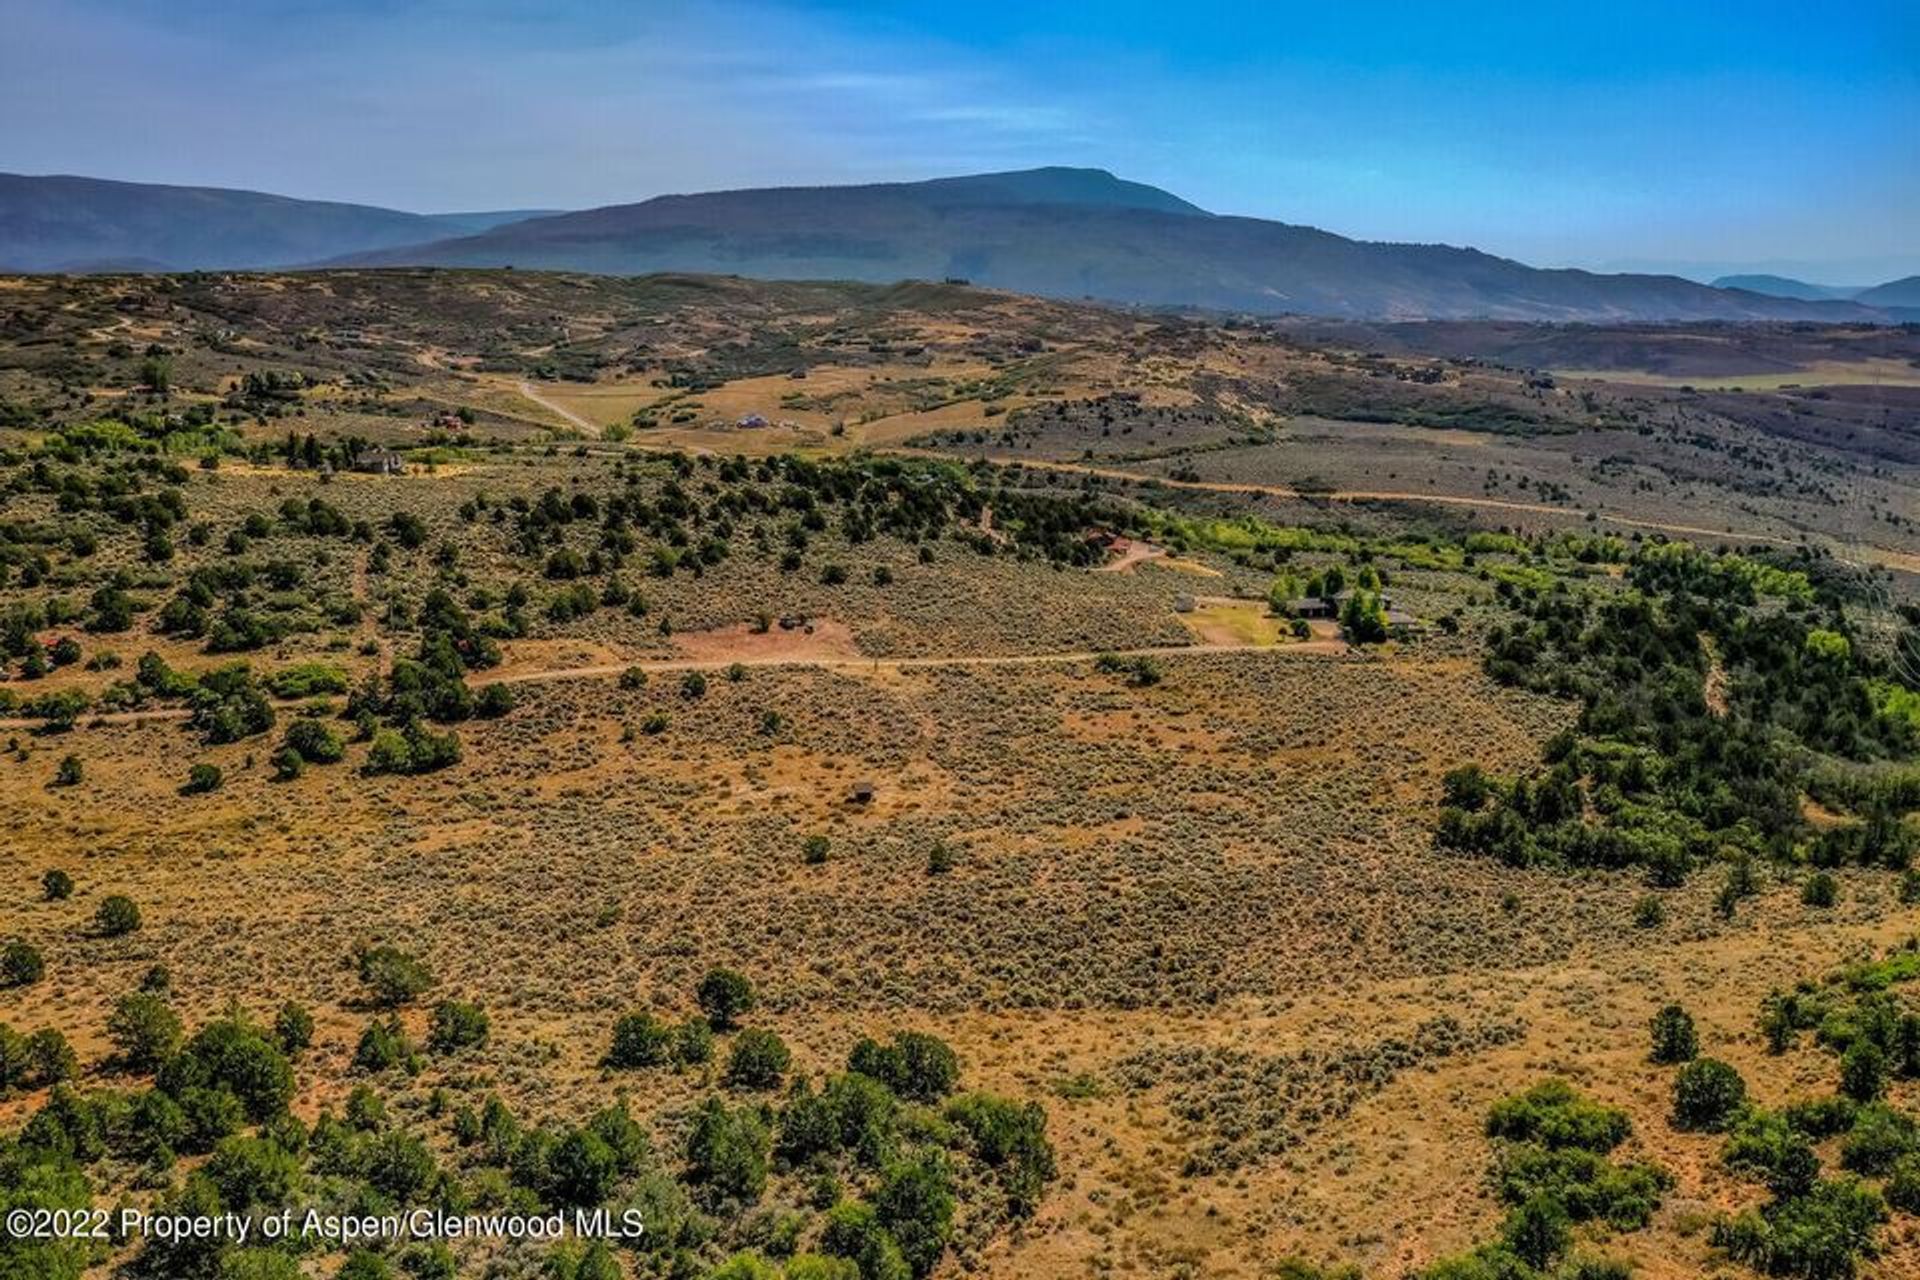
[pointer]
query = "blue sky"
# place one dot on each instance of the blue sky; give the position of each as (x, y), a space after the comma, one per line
(1697, 136)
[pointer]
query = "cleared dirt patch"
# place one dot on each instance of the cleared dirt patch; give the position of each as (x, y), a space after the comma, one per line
(1128, 553)
(818, 638)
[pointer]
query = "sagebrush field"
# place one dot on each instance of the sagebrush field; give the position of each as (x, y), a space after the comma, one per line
(890, 782)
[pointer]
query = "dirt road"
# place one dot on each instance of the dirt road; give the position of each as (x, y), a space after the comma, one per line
(602, 671)
(590, 427)
(1356, 495)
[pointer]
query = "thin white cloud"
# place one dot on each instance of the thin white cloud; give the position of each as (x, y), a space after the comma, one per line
(442, 106)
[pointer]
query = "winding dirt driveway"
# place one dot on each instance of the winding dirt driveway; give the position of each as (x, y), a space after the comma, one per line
(591, 428)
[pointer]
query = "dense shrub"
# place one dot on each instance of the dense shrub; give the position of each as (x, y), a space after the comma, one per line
(144, 1030)
(1766, 1146)
(1554, 1114)
(393, 977)
(724, 996)
(457, 1025)
(1674, 1039)
(854, 1232)
(116, 915)
(1822, 1235)
(34, 1061)
(757, 1060)
(1863, 1070)
(293, 1027)
(640, 1040)
(234, 1057)
(383, 1046)
(727, 1152)
(914, 1204)
(693, 1042)
(20, 964)
(918, 1067)
(201, 779)
(1707, 1093)
(414, 749)
(314, 741)
(253, 1173)
(1879, 1139)
(1011, 1139)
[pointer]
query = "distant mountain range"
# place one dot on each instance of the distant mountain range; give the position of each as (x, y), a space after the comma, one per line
(1056, 232)
(1898, 299)
(1901, 294)
(89, 224)
(1784, 287)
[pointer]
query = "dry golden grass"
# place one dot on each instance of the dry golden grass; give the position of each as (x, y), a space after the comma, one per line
(1171, 908)
(1233, 861)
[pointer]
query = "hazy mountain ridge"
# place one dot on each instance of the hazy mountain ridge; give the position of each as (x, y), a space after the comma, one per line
(1787, 287)
(1069, 233)
(64, 223)
(1055, 232)
(1895, 293)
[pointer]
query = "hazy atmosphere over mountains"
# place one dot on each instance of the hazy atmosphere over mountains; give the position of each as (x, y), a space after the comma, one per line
(63, 223)
(1056, 232)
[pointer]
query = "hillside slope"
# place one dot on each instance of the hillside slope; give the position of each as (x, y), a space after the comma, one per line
(1894, 293)
(64, 223)
(1080, 233)
(1785, 287)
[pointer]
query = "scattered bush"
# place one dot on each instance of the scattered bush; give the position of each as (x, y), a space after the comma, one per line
(293, 1026)
(1706, 1095)
(383, 1046)
(1674, 1039)
(640, 1040)
(20, 964)
(116, 915)
(1820, 890)
(144, 1030)
(457, 1025)
(393, 977)
(724, 996)
(1818, 1236)
(757, 1060)
(917, 1066)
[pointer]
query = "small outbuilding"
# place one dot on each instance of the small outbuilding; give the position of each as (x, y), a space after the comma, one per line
(379, 462)
(861, 792)
(1183, 603)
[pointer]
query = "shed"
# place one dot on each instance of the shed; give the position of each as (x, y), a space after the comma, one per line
(862, 792)
(379, 462)
(1183, 603)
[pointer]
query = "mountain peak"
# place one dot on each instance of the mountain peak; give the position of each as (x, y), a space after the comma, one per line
(1053, 184)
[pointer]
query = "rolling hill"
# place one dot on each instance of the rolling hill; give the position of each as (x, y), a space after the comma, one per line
(1895, 293)
(1073, 233)
(61, 223)
(1785, 287)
